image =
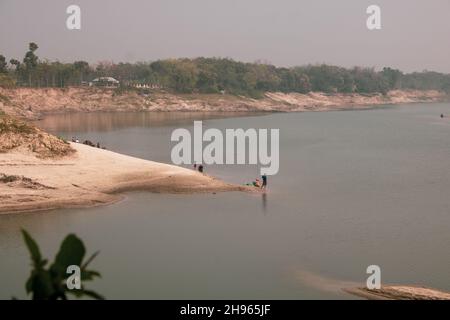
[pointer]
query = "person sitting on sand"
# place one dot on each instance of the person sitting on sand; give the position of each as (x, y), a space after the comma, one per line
(257, 183)
(200, 168)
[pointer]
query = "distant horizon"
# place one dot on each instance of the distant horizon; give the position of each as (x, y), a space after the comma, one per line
(285, 33)
(98, 62)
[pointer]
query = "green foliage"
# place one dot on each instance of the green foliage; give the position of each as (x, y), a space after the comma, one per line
(393, 77)
(6, 81)
(3, 64)
(63, 139)
(50, 283)
(218, 75)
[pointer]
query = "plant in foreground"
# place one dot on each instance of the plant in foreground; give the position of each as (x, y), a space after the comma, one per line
(51, 283)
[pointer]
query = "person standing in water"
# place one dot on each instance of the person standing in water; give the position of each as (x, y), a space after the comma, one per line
(264, 181)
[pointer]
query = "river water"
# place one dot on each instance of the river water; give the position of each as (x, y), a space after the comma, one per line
(355, 188)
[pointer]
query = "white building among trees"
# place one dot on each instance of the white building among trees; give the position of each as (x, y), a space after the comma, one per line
(105, 82)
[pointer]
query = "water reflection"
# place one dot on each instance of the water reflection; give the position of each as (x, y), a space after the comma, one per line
(264, 202)
(107, 121)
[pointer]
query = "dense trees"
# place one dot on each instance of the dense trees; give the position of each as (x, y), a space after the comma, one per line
(3, 64)
(5, 80)
(215, 75)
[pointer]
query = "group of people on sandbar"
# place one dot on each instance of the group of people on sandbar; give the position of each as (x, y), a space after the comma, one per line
(198, 167)
(259, 183)
(88, 143)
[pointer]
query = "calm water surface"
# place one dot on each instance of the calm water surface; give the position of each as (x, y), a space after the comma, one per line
(355, 188)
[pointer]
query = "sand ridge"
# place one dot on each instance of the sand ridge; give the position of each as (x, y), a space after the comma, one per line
(33, 103)
(91, 177)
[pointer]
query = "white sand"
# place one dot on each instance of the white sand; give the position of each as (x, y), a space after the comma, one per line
(91, 177)
(400, 293)
(387, 292)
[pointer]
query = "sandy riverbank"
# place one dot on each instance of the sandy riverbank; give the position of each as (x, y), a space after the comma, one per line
(90, 177)
(399, 293)
(387, 292)
(33, 103)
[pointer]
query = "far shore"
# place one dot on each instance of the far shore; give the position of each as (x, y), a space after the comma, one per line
(35, 103)
(399, 293)
(386, 292)
(91, 177)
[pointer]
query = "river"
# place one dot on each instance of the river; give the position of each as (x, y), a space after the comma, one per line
(355, 188)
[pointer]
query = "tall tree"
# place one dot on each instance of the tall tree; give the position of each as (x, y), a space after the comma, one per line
(31, 60)
(18, 68)
(81, 67)
(3, 64)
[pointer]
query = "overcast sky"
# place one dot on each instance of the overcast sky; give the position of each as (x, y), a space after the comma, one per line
(415, 34)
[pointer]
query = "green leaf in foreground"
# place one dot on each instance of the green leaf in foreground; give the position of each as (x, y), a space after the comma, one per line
(71, 252)
(50, 283)
(32, 248)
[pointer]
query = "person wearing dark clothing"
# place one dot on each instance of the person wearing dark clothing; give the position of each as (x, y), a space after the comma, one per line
(200, 168)
(442, 115)
(264, 183)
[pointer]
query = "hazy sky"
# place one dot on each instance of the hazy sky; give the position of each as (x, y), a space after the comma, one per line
(415, 34)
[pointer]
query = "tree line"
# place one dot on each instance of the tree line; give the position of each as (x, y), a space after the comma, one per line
(216, 75)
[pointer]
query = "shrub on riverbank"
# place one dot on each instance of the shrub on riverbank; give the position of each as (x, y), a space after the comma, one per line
(6, 81)
(16, 133)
